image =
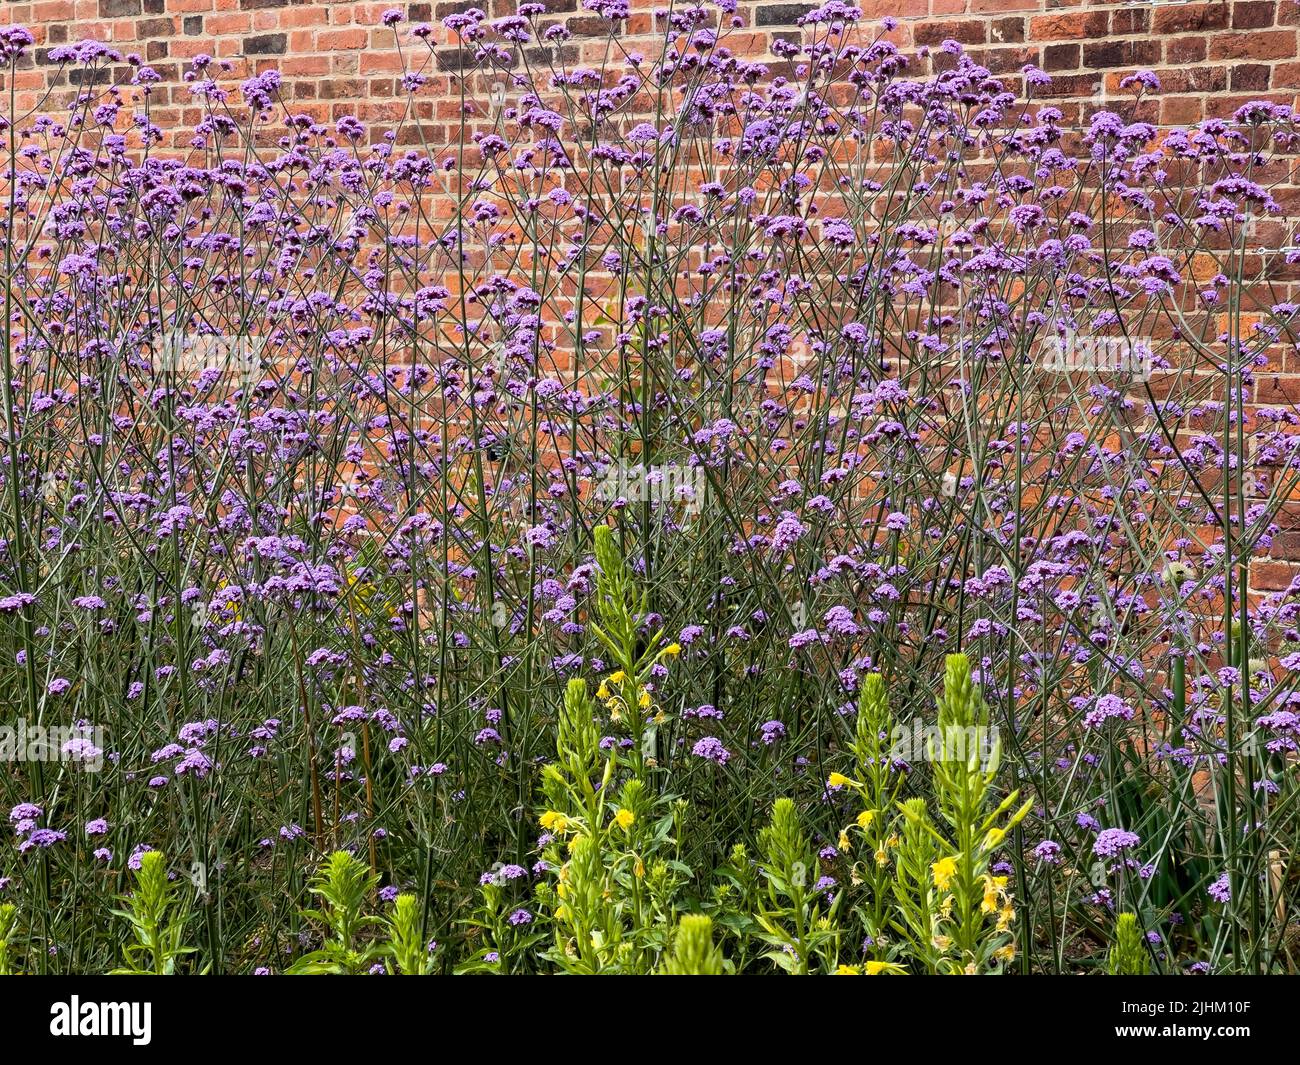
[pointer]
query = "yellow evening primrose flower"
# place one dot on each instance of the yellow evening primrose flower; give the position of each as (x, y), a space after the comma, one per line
(865, 818)
(603, 691)
(844, 843)
(839, 780)
(849, 970)
(995, 836)
(644, 700)
(617, 677)
(673, 649)
(553, 821)
(884, 968)
(995, 890)
(625, 819)
(1006, 954)
(881, 857)
(943, 871)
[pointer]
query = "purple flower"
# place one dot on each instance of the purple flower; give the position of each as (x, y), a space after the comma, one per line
(711, 748)
(25, 811)
(1048, 851)
(1108, 706)
(1221, 889)
(1112, 841)
(43, 838)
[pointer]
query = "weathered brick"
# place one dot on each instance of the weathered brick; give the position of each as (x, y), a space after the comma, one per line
(1250, 77)
(1130, 21)
(1190, 18)
(1253, 14)
(972, 31)
(120, 8)
(154, 27)
(1183, 50)
(1062, 57)
(1070, 27)
(782, 14)
(589, 26)
(1007, 31)
(1108, 54)
(1271, 576)
(1267, 44)
(265, 44)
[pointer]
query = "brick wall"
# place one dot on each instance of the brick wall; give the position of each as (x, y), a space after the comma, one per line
(336, 58)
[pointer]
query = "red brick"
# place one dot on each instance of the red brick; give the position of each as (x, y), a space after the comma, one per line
(1253, 14)
(1268, 44)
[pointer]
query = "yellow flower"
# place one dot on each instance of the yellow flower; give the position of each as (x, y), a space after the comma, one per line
(553, 821)
(625, 819)
(881, 857)
(1006, 954)
(617, 677)
(844, 843)
(644, 700)
(943, 871)
(994, 837)
(865, 818)
(995, 890)
(884, 968)
(603, 691)
(849, 970)
(1005, 916)
(839, 780)
(673, 649)
(638, 869)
